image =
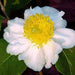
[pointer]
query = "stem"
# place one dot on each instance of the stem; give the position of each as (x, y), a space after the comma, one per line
(40, 73)
(3, 10)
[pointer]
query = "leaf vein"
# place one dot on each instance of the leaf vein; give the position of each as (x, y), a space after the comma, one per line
(5, 60)
(68, 62)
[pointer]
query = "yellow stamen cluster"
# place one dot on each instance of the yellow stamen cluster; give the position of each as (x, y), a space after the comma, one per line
(38, 29)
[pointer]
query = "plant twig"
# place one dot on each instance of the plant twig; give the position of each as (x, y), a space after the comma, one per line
(3, 10)
(5, 2)
(40, 73)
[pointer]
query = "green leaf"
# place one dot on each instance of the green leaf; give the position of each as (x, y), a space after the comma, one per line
(66, 62)
(9, 65)
(16, 2)
(14, 5)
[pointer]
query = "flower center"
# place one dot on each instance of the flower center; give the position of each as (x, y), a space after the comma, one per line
(38, 29)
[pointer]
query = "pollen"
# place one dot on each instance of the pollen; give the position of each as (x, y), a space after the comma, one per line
(39, 29)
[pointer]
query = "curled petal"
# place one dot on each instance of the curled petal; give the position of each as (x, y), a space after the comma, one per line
(55, 58)
(11, 37)
(16, 20)
(51, 49)
(16, 25)
(58, 48)
(56, 16)
(49, 10)
(33, 58)
(15, 49)
(48, 55)
(59, 23)
(65, 37)
(30, 11)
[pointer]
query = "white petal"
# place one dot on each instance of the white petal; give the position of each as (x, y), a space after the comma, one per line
(15, 49)
(16, 28)
(30, 11)
(6, 29)
(16, 25)
(23, 40)
(16, 20)
(61, 13)
(55, 15)
(33, 58)
(14, 38)
(58, 48)
(11, 37)
(59, 23)
(55, 58)
(49, 51)
(65, 37)
(49, 10)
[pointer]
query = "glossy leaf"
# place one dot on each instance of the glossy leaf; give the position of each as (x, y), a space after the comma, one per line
(66, 62)
(14, 5)
(9, 65)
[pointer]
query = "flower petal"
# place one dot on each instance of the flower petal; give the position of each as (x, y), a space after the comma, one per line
(10, 36)
(49, 53)
(16, 20)
(31, 11)
(33, 58)
(16, 25)
(59, 23)
(23, 40)
(55, 15)
(58, 48)
(15, 49)
(55, 58)
(51, 49)
(65, 37)
(49, 10)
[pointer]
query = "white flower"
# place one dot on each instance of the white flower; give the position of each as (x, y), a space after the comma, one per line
(39, 37)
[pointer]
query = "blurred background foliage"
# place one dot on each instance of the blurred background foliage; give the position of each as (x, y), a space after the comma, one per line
(9, 65)
(14, 5)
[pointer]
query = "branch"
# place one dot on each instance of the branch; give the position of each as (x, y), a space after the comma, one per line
(3, 10)
(40, 73)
